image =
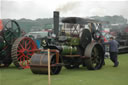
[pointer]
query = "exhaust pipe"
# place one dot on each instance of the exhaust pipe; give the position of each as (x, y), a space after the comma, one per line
(56, 22)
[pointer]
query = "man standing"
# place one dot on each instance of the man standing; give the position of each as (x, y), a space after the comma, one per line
(113, 50)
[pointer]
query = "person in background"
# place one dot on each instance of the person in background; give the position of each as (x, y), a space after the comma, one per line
(113, 50)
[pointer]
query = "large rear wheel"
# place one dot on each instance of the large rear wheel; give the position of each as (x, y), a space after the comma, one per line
(95, 54)
(11, 32)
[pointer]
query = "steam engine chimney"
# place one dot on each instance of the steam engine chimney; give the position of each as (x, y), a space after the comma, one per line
(56, 22)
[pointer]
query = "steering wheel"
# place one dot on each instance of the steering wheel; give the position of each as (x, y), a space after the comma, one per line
(11, 31)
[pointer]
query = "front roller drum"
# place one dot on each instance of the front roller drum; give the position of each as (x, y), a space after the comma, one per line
(39, 64)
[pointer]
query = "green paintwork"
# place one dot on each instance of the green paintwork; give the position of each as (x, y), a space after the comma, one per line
(69, 50)
(75, 41)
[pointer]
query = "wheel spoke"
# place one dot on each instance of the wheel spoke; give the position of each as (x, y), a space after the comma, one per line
(28, 60)
(25, 45)
(28, 57)
(30, 50)
(29, 47)
(6, 27)
(14, 31)
(93, 60)
(28, 43)
(18, 54)
(19, 57)
(14, 35)
(20, 51)
(30, 54)
(96, 60)
(10, 31)
(95, 51)
(21, 46)
(8, 35)
(23, 61)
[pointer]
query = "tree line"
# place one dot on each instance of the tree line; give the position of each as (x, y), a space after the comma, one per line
(46, 23)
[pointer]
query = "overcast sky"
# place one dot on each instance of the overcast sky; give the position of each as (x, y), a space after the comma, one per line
(33, 9)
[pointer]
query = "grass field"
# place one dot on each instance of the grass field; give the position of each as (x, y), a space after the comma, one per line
(108, 75)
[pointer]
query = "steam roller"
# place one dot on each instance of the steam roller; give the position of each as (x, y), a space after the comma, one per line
(74, 45)
(39, 63)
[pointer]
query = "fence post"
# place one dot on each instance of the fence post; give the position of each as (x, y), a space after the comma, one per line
(49, 79)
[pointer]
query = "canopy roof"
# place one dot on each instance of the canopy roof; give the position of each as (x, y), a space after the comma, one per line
(78, 20)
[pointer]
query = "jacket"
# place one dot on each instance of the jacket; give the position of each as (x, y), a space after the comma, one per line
(113, 46)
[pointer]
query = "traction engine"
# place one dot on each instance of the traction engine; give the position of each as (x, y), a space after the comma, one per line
(13, 47)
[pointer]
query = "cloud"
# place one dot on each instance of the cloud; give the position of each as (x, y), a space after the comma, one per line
(27, 9)
(100, 8)
(0, 8)
(33, 9)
